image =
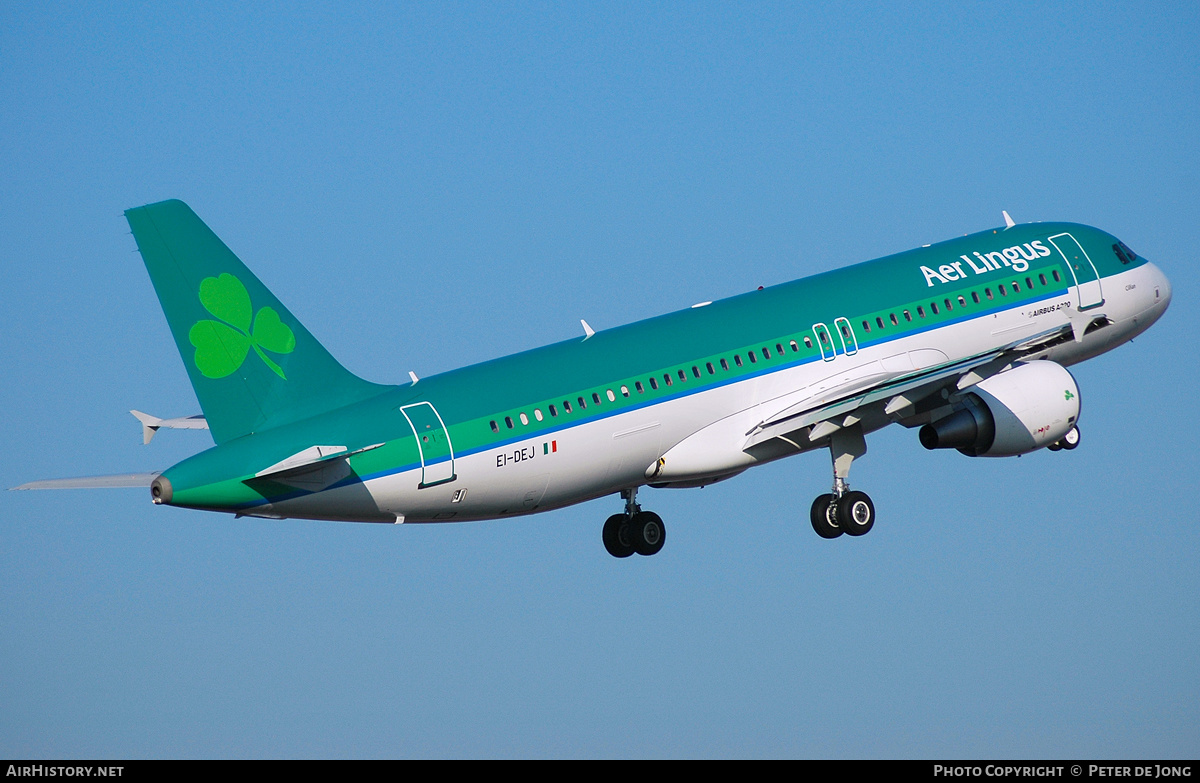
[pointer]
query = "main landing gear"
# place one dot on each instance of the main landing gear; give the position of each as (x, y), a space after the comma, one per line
(637, 531)
(843, 510)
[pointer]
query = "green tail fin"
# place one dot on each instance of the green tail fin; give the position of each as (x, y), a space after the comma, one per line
(252, 364)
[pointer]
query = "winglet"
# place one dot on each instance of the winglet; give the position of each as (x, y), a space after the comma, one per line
(587, 330)
(1008, 221)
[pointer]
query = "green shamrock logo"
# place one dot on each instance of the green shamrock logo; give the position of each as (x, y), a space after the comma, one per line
(222, 346)
(1068, 394)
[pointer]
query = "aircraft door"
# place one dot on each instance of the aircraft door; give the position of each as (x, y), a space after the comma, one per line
(433, 443)
(824, 342)
(849, 341)
(1087, 279)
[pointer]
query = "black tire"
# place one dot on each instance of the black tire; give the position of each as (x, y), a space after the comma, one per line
(1070, 441)
(824, 517)
(1055, 446)
(856, 513)
(617, 538)
(647, 532)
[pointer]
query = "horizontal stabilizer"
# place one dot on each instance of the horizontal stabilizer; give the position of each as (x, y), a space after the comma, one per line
(118, 481)
(152, 424)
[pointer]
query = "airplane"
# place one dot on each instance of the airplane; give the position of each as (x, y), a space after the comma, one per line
(966, 340)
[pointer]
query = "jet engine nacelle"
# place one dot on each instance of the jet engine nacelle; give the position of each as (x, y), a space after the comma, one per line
(1015, 412)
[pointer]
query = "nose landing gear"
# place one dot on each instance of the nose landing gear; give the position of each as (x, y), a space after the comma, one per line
(1068, 442)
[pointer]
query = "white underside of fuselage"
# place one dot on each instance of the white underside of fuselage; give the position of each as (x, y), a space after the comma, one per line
(704, 435)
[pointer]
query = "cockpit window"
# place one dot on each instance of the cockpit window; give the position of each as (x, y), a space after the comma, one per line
(1123, 252)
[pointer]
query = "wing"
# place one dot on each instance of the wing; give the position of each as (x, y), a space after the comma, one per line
(906, 388)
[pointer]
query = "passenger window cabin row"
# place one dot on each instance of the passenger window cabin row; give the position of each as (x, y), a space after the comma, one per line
(680, 376)
(654, 383)
(949, 303)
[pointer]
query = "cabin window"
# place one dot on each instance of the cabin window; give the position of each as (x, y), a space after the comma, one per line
(879, 321)
(724, 365)
(892, 317)
(988, 293)
(624, 391)
(508, 422)
(611, 397)
(962, 301)
(553, 410)
(582, 403)
(682, 376)
(537, 413)
(695, 371)
(566, 406)
(667, 378)
(933, 308)
(654, 384)
(779, 349)
(1028, 283)
(1016, 287)
(753, 359)
(866, 326)
(949, 306)
(920, 311)
(524, 419)
(737, 358)
(766, 353)
(1003, 290)
(640, 389)
(975, 297)
(1057, 277)
(596, 398)
(708, 366)
(907, 316)
(495, 426)
(807, 343)
(795, 348)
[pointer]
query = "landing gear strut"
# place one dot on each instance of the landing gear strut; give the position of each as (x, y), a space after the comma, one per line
(843, 510)
(637, 531)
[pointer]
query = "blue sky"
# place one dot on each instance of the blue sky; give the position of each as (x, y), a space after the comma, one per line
(427, 186)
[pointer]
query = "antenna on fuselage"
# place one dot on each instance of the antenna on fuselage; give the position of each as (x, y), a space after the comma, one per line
(1008, 221)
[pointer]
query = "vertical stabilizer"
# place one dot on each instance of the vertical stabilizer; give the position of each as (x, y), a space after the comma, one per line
(252, 364)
